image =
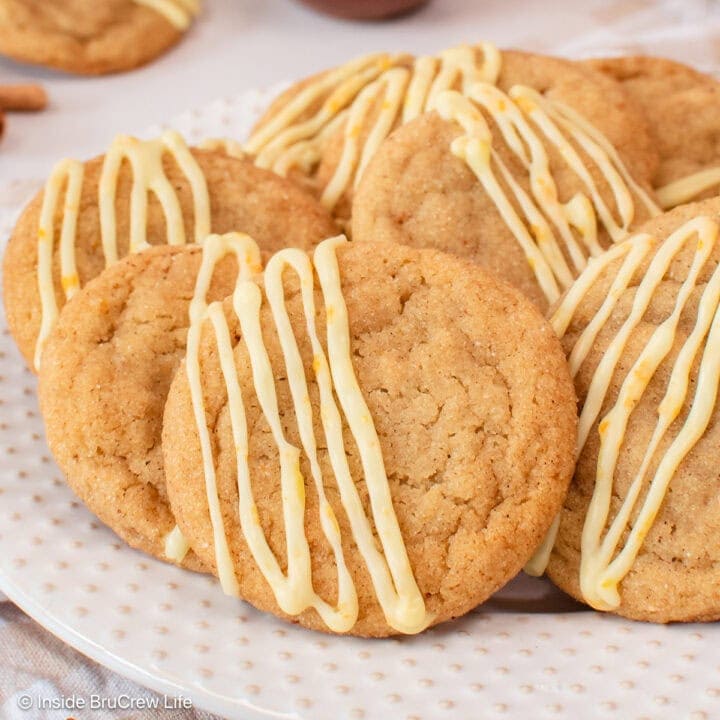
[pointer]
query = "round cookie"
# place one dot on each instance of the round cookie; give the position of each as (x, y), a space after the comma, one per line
(421, 188)
(648, 399)
(89, 37)
(241, 197)
(107, 369)
(324, 130)
(682, 107)
(469, 394)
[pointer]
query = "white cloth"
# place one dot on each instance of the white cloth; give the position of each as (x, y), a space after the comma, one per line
(37, 669)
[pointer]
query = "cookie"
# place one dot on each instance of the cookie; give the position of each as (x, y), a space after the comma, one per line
(324, 130)
(638, 535)
(293, 135)
(682, 107)
(100, 210)
(106, 371)
(422, 393)
(92, 37)
(529, 178)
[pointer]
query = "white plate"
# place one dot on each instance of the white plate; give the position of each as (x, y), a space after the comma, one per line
(530, 652)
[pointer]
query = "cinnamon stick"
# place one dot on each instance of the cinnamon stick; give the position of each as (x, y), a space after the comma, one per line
(22, 98)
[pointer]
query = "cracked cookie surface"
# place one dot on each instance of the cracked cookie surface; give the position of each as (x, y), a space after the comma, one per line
(470, 395)
(415, 191)
(111, 356)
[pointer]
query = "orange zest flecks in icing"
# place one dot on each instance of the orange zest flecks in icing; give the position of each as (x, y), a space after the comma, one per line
(386, 559)
(557, 238)
(68, 173)
(179, 13)
(603, 562)
(146, 161)
(344, 97)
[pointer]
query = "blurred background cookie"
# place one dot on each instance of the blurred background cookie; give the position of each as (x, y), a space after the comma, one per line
(92, 37)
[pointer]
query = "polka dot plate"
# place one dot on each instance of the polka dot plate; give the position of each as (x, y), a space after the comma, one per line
(529, 652)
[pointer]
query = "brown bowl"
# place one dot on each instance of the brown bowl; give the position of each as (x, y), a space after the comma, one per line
(364, 9)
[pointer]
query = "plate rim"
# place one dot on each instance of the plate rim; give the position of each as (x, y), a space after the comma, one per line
(158, 682)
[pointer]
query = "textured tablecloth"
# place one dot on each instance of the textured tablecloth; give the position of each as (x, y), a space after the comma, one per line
(33, 664)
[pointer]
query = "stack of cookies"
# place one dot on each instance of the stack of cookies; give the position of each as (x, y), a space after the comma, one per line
(438, 319)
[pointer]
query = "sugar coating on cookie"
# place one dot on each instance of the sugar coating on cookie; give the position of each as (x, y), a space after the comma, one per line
(371, 441)
(530, 178)
(641, 327)
(90, 37)
(110, 360)
(142, 192)
(682, 107)
(324, 131)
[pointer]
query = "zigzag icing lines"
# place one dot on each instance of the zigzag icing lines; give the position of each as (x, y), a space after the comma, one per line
(343, 98)
(604, 561)
(543, 226)
(146, 160)
(387, 561)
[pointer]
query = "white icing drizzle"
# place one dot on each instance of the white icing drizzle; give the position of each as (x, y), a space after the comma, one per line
(176, 545)
(146, 160)
(389, 569)
(334, 91)
(550, 232)
(179, 13)
(346, 95)
(247, 254)
(602, 565)
(459, 64)
(70, 174)
(599, 148)
(685, 189)
(394, 82)
(425, 69)
(542, 221)
(536, 565)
